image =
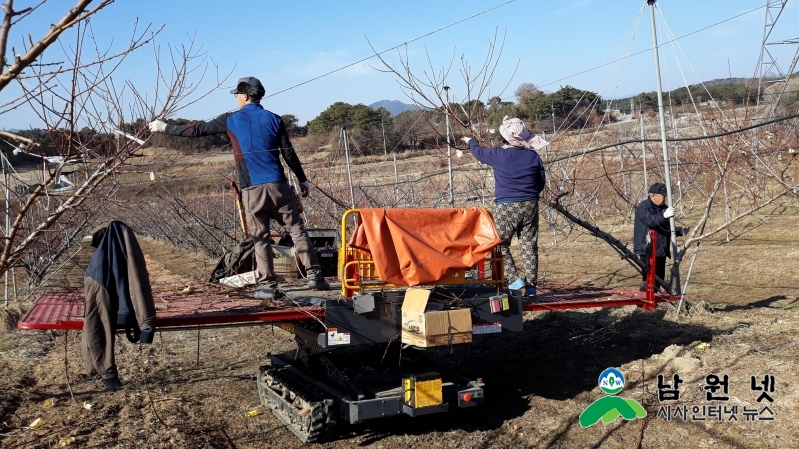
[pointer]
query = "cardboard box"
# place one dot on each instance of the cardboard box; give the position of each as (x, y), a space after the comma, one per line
(240, 280)
(424, 328)
(285, 262)
(285, 266)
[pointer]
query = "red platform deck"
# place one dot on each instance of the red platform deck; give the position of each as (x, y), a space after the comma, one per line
(64, 311)
(216, 307)
(564, 297)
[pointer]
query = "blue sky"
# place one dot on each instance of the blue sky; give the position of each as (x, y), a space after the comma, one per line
(286, 43)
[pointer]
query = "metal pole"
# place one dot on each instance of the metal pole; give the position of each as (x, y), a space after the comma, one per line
(449, 154)
(349, 169)
(546, 147)
(661, 114)
(643, 150)
(690, 269)
(687, 279)
(383, 127)
(548, 212)
(776, 102)
(224, 235)
(8, 217)
(396, 179)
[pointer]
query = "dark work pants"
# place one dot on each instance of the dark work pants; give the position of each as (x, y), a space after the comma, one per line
(660, 267)
(276, 201)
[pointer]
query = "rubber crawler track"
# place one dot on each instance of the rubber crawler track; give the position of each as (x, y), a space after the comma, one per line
(308, 411)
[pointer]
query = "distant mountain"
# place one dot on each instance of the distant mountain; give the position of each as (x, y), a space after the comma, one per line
(395, 107)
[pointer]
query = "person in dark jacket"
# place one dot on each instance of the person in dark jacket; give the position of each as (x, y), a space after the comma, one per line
(653, 213)
(519, 179)
(259, 138)
(118, 295)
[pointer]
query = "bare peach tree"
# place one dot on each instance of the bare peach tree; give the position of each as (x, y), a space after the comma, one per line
(92, 121)
(725, 166)
(465, 103)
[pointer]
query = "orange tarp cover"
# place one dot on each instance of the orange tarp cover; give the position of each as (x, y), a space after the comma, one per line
(421, 246)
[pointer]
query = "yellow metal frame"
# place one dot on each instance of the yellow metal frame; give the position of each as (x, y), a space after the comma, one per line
(365, 275)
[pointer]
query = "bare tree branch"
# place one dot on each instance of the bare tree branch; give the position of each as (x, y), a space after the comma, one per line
(73, 16)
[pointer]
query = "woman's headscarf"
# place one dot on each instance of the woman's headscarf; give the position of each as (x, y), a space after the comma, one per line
(513, 130)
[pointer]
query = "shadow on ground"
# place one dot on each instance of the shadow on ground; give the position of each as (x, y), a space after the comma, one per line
(558, 356)
(762, 304)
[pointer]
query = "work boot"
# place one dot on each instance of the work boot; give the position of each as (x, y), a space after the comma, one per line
(267, 293)
(113, 384)
(318, 283)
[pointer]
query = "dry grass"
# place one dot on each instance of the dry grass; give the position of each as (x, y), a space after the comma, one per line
(8, 318)
(743, 300)
(757, 263)
(538, 381)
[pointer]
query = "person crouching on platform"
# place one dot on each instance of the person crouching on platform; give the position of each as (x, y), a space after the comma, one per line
(519, 179)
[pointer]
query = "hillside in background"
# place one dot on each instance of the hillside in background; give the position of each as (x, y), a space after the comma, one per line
(717, 81)
(395, 107)
(737, 90)
(741, 84)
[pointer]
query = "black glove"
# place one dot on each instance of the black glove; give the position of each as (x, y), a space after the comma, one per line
(133, 334)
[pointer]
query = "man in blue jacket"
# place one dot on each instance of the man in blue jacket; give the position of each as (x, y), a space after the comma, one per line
(258, 138)
(653, 213)
(519, 179)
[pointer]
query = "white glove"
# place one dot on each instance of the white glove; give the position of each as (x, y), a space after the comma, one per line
(458, 153)
(157, 126)
(668, 213)
(466, 140)
(305, 188)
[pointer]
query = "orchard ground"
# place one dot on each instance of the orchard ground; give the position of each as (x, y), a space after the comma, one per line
(741, 320)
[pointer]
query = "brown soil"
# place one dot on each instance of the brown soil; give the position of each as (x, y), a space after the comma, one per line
(192, 388)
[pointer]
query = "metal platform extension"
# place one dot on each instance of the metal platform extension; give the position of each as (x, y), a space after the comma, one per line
(324, 381)
(566, 297)
(214, 307)
(174, 311)
(345, 367)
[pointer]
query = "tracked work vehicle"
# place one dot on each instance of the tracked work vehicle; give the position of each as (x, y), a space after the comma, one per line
(411, 280)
